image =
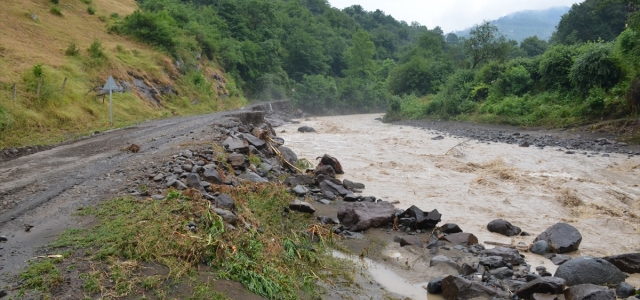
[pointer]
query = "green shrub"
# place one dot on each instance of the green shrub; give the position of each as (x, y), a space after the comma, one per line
(490, 72)
(72, 49)
(55, 1)
(514, 81)
(86, 1)
(56, 10)
(157, 29)
(555, 66)
(91, 10)
(450, 101)
(95, 50)
(595, 67)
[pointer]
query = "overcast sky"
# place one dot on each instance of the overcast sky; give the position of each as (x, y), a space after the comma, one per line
(450, 15)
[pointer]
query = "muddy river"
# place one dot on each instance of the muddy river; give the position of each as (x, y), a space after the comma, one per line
(472, 183)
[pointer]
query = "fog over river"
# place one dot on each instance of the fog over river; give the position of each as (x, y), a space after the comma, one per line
(472, 182)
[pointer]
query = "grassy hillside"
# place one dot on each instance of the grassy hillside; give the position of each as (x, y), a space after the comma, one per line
(37, 37)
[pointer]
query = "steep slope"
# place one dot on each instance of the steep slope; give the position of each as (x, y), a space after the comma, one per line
(37, 40)
(520, 25)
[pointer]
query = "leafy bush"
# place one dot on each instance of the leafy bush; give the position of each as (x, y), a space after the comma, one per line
(55, 1)
(515, 81)
(555, 66)
(95, 50)
(72, 49)
(450, 101)
(91, 10)
(490, 73)
(157, 29)
(419, 75)
(595, 67)
(56, 10)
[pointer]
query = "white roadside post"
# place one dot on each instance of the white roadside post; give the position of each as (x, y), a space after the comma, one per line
(110, 86)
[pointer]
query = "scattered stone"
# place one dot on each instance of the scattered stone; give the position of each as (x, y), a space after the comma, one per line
(461, 238)
(359, 216)
(193, 181)
(437, 138)
(302, 206)
(352, 235)
(591, 270)
(625, 290)
(236, 145)
(177, 184)
(503, 227)
(562, 238)
(551, 285)
(157, 197)
(238, 161)
(540, 247)
(457, 288)
(298, 180)
(511, 256)
(253, 177)
(408, 241)
(288, 155)
(326, 220)
(300, 190)
(352, 185)
(212, 175)
(492, 262)
(588, 292)
(423, 220)
(3, 238)
(629, 262)
(306, 129)
(226, 215)
(558, 259)
(251, 139)
(158, 177)
(435, 286)
(450, 228)
(225, 201)
(325, 170)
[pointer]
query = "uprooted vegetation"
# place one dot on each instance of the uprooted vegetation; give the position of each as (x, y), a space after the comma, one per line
(271, 253)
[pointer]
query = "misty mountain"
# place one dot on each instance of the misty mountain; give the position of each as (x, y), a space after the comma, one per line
(520, 25)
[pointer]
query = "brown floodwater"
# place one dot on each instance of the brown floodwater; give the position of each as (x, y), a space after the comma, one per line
(472, 183)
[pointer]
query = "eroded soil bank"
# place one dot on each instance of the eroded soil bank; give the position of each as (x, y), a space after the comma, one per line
(472, 182)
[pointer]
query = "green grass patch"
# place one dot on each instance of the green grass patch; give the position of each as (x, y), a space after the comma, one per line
(269, 252)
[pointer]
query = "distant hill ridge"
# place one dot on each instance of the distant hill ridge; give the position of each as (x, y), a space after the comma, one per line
(520, 25)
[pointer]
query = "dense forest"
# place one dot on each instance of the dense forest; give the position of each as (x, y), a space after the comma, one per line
(329, 60)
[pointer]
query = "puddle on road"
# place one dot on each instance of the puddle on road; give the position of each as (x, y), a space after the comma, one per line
(472, 183)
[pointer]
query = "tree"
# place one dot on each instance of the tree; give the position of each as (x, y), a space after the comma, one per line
(595, 67)
(533, 46)
(591, 20)
(485, 44)
(451, 39)
(555, 66)
(359, 56)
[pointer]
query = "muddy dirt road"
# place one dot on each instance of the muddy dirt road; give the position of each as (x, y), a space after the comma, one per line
(472, 182)
(45, 189)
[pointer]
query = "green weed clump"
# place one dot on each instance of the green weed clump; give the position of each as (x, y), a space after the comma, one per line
(56, 10)
(91, 10)
(269, 252)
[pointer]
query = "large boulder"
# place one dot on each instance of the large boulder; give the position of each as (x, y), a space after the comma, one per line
(462, 239)
(359, 216)
(238, 161)
(509, 255)
(288, 155)
(458, 288)
(302, 206)
(225, 201)
(503, 227)
(435, 286)
(253, 140)
(298, 180)
(551, 285)
(589, 292)
(450, 228)
(587, 269)
(562, 238)
(212, 175)
(629, 262)
(423, 220)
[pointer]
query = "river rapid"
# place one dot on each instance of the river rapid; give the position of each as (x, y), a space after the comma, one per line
(472, 182)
